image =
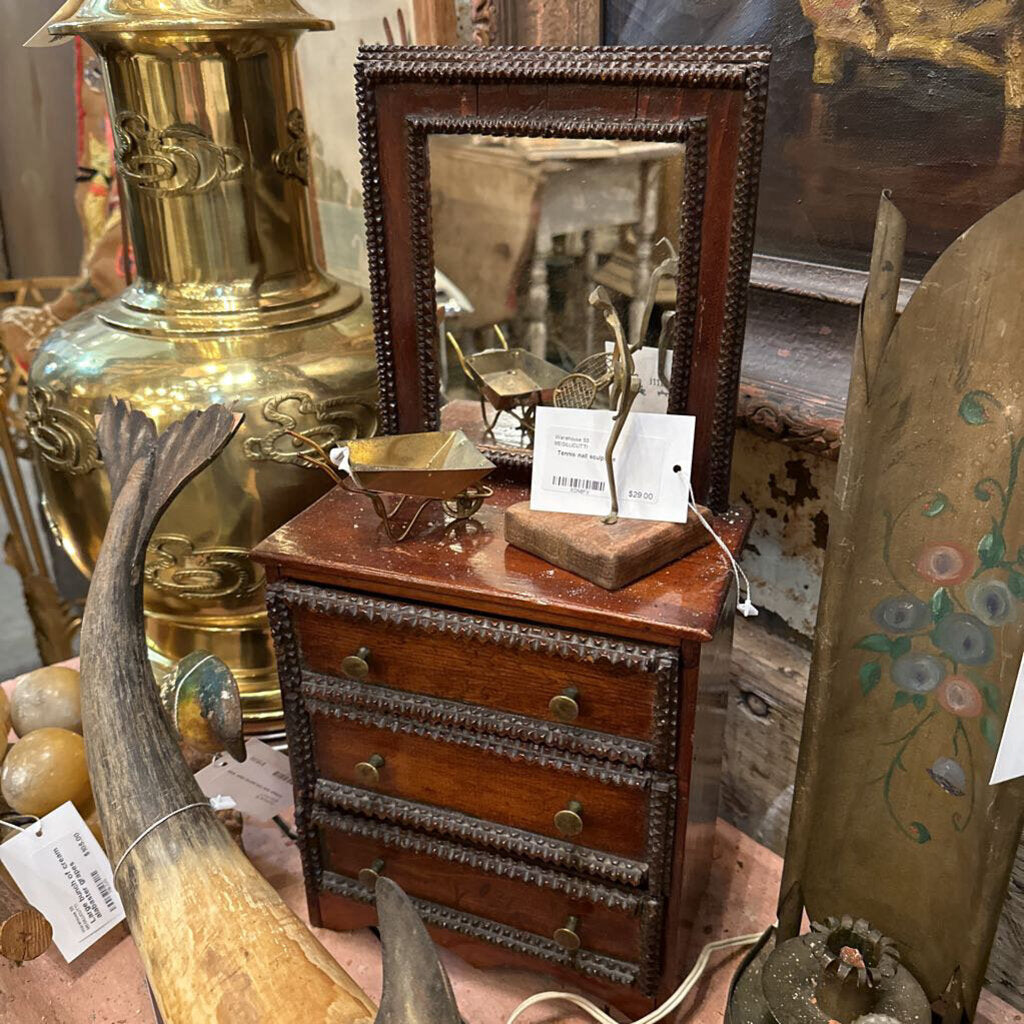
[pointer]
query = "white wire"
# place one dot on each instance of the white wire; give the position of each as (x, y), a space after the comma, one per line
(746, 608)
(672, 1003)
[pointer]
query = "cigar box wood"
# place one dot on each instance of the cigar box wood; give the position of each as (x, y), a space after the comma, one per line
(493, 779)
(479, 884)
(340, 542)
(608, 554)
(472, 663)
(370, 697)
(469, 639)
(442, 825)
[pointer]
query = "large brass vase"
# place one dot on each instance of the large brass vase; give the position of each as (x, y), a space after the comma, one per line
(228, 305)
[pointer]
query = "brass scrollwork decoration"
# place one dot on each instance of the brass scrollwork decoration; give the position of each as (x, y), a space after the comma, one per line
(175, 566)
(293, 160)
(338, 419)
(174, 161)
(64, 439)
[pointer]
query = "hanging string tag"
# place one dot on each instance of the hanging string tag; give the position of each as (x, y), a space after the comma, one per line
(63, 872)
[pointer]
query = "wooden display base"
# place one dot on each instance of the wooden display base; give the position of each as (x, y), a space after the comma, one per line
(609, 555)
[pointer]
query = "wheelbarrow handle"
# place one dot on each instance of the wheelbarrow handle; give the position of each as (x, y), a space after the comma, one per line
(501, 337)
(458, 351)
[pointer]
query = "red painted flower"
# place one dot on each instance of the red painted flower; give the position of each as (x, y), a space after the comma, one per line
(948, 564)
(960, 697)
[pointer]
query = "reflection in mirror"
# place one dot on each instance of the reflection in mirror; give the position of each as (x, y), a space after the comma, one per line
(524, 230)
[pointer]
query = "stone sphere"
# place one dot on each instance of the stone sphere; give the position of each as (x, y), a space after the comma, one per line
(5, 720)
(44, 770)
(49, 697)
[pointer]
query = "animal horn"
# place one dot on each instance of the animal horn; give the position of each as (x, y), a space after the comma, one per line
(416, 987)
(217, 941)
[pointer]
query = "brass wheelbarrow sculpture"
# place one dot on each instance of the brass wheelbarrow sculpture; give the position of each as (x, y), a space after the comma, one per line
(437, 466)
(512, 380)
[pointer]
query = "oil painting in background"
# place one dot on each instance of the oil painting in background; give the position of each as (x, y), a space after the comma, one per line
(923, 97)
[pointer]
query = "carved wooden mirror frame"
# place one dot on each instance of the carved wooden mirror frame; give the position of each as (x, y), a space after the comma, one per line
(711, 98)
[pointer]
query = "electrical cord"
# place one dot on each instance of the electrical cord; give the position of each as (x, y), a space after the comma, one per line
(673, 1002)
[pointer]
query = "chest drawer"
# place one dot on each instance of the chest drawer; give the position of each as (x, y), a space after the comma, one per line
(595, 683)
(546, 903)
(598, 805)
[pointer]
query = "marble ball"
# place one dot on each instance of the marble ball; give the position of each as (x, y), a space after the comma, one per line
(47, 698)
(5, 720)
(45, 769)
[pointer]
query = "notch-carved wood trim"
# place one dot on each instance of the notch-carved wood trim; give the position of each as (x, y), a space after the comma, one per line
(448, 82)
(629, 901)
(583, 960)
(375, 699)
(455, 825)
(662, 663)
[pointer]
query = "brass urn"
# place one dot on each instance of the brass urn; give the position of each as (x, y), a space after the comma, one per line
(228, 305)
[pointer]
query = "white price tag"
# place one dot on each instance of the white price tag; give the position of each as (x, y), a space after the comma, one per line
(66, 876)
(653, 395)
(261, 785)
(652, 464)
(1010, 755)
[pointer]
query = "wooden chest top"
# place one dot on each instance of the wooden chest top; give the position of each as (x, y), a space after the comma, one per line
(340, 542)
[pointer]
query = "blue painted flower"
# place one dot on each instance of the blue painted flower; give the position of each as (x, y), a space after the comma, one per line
(965, 638)
(917, 673)
(949, 774)
(992, 602)
(903, 614)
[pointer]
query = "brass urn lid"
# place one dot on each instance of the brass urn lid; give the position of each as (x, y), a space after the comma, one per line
(93, 17)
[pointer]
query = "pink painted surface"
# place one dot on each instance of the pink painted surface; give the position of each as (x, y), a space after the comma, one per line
(106, 985)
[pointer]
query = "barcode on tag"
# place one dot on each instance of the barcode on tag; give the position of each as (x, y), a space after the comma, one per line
(576, 483)
(103, 890)
(63, 872)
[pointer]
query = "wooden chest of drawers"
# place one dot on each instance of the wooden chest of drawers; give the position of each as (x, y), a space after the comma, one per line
(533, 759)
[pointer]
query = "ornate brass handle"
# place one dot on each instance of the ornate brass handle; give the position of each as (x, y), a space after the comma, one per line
(368, 876)
(357, 666)
(369, 770)
(565, 706)
(567, 936)
(570, 820)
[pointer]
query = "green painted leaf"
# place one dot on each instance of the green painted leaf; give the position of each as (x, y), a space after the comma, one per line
(981, 492)
(921, 833)
(919, 701)
(938, 504)
(942, 604)
(992, 547)
(874, 642)
(901, 699)
(1015, 581)
(971, 409)
(899, 646)
(870, 676)
(992, 696)
(990, 730)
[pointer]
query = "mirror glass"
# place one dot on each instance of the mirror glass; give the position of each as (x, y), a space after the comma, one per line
(543, 248)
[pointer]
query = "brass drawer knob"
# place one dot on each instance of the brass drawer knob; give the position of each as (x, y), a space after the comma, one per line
(357, 666)
(566, 705)
(369, 770)
(368, 876)
(568, 937)
(570, 820)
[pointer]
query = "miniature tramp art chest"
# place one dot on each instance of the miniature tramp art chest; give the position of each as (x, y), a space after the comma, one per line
(534, 759)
